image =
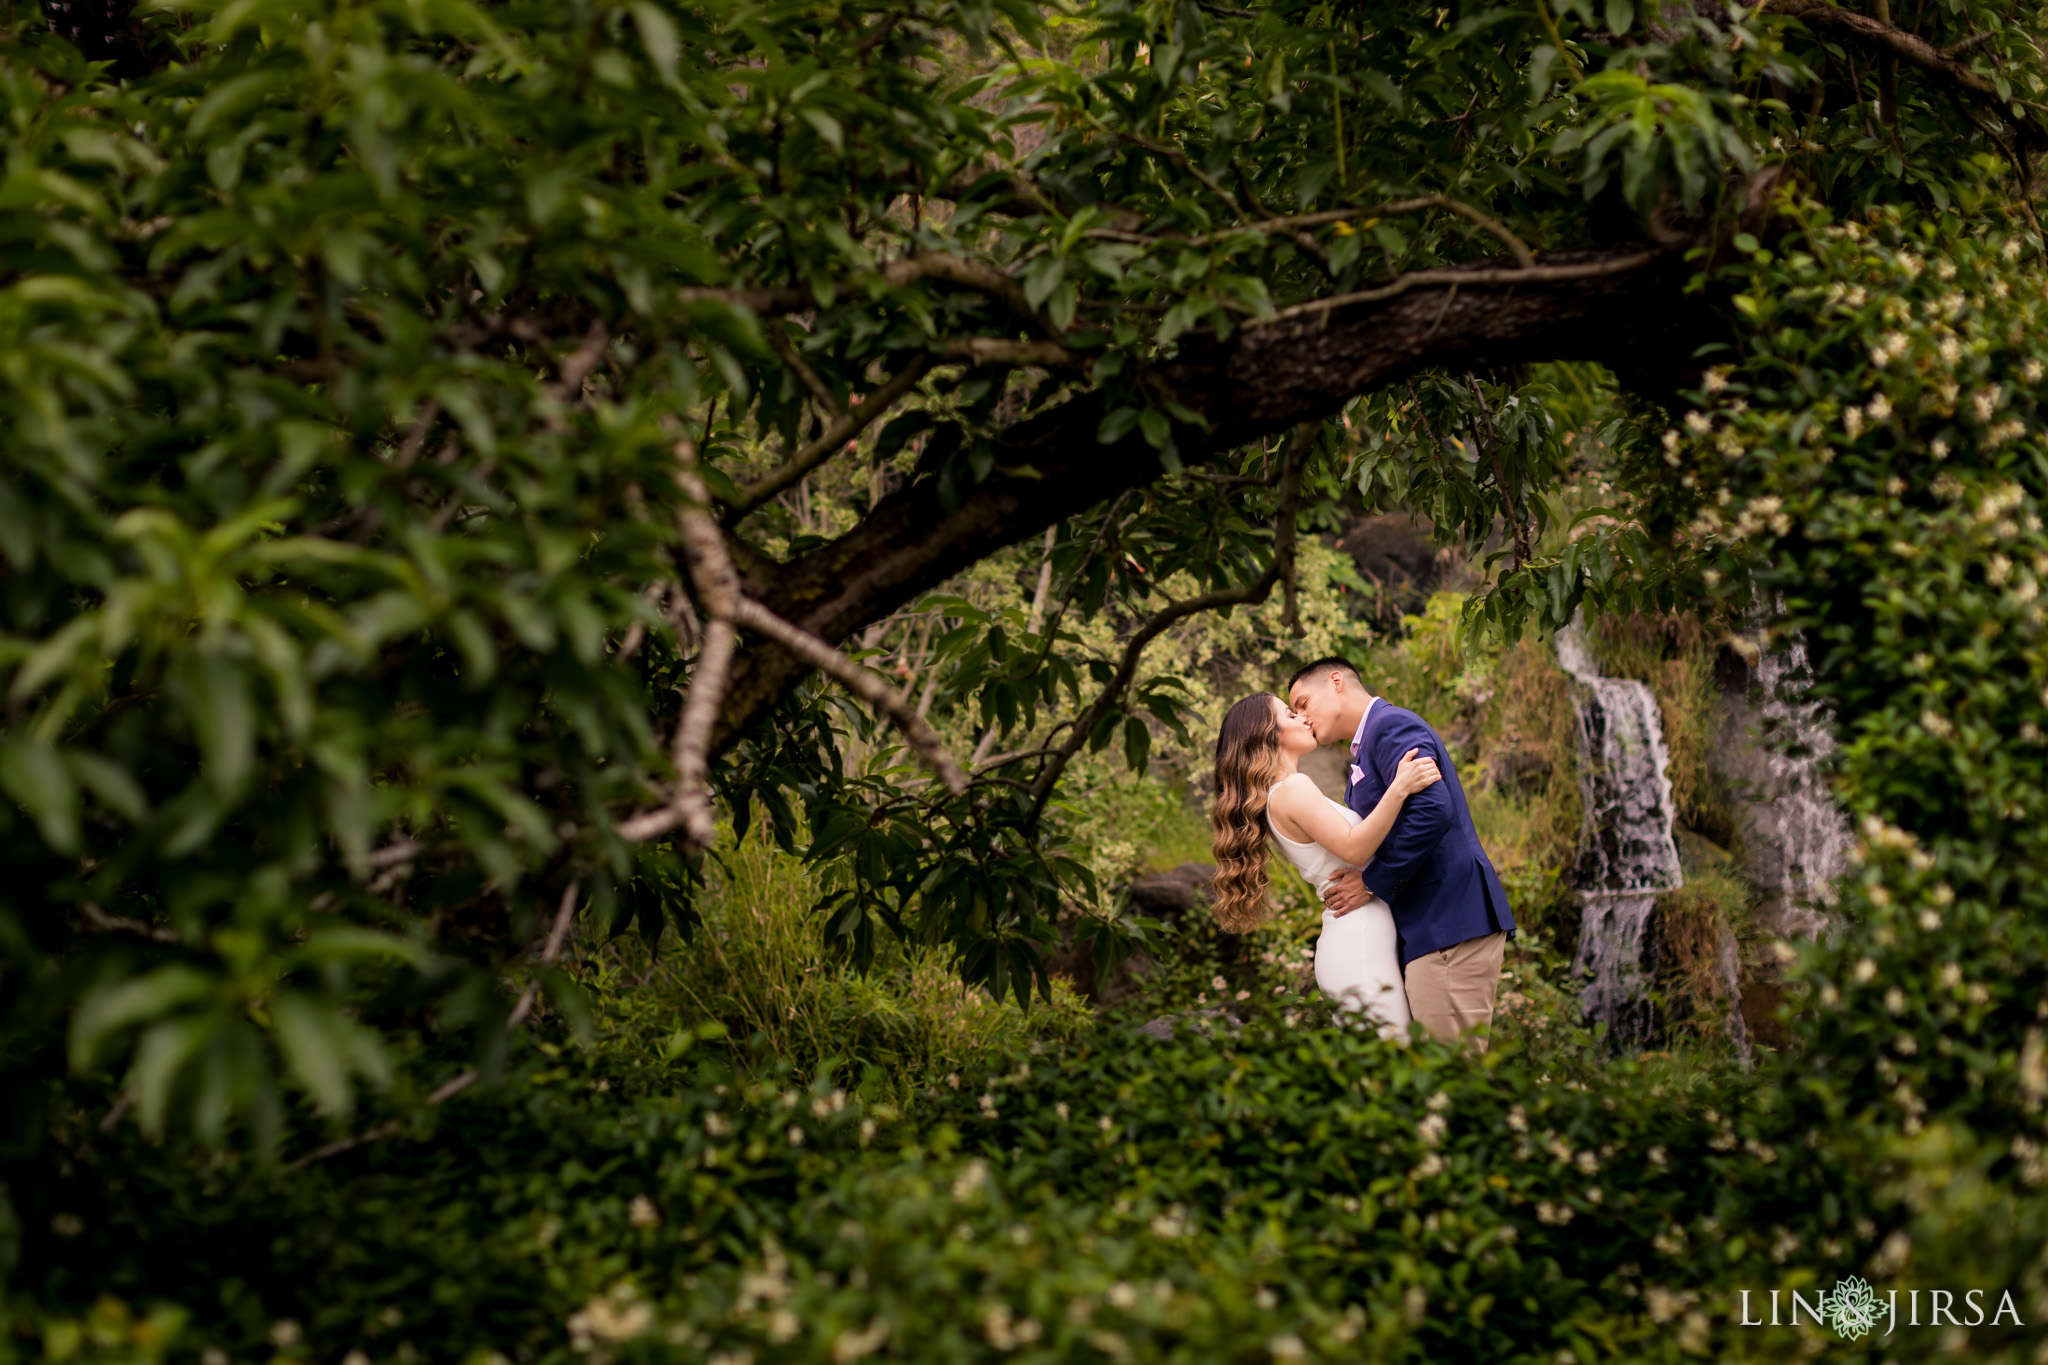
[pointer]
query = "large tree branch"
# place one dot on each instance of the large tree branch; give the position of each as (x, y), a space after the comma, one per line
(1882, 37)
(1464, 277)
(1626, 308)
(717, 585)
(1281, 569)
(863, 682)
(1049, 355)
(1888, 40)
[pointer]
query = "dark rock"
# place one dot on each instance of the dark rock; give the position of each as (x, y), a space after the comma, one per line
(1156, 895)
(1763, 1013)
(1793, 838)
(1397, 556)
(1169, 895)
(1076, 963)
(1520, 764)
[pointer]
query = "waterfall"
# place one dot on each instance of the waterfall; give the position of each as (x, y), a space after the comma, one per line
(1800, 839)
(1628, 854)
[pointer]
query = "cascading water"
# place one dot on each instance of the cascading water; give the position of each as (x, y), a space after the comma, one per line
(1628, 855)
(1800, 837)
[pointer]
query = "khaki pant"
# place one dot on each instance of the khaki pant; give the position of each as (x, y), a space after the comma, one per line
(1451, 990)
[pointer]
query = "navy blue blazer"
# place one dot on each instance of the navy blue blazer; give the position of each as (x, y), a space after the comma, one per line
(1431, 869)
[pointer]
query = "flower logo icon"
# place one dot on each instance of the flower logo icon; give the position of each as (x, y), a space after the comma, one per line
(1852, 1308)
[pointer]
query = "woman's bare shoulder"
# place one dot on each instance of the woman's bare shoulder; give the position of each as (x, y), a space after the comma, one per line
(1295, 790)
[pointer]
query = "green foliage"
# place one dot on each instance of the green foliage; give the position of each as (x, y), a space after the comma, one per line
(759, 972)
(1700, 933)
(1229, 1192)
(346, 362)
(1874, 466)
(348, 353)
(342, 368)
(1192, 1199)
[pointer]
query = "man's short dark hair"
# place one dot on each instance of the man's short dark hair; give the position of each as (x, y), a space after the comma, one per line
(1330, 663)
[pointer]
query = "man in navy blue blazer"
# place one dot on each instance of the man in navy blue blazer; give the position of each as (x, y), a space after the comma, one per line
(1450, 911)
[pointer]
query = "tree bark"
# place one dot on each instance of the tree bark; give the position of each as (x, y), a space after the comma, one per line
(1260, 382)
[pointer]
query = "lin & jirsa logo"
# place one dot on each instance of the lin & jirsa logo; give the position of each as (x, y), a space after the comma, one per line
(1854, 1309)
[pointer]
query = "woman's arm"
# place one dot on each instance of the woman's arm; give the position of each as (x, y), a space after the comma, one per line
(1298, 803)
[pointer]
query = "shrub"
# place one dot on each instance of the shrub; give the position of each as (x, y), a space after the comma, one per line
(759, 970)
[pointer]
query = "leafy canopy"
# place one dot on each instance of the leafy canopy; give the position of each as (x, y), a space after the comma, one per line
(348, 354)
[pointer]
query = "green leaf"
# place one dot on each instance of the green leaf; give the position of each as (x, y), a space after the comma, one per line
(351, 943)
(1116, 425)
(827, 127)
(569, 996)
(1042, 277)
(35, 776)
(163, 1054)
(658, 35)
(121, 1004)
(316, 1056)
(1137, 743)
(223, 721)
(113, 784)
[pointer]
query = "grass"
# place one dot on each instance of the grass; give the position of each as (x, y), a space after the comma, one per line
(758, 971)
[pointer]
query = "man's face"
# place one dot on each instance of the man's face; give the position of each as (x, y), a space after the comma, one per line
(1318, 699)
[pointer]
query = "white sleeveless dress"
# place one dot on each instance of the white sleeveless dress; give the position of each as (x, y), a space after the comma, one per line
(1358, 962)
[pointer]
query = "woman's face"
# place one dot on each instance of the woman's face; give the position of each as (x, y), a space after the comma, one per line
(1295, 736)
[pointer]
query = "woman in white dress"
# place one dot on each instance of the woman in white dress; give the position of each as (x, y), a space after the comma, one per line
(1260, 793)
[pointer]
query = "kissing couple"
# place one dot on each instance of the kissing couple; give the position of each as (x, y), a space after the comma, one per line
(1415, 921)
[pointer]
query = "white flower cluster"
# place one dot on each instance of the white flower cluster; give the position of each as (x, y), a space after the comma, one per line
(1666, 1305)
(1911, 1105)
(853, 1343)
(1761, 514)
(972, 1179)
(618, 1315)
(2028, 1154)
(1005, 1331)
(1887, 348)
(1171, 1224)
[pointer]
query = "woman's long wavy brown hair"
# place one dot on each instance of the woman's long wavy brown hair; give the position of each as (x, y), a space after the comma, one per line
(1247, 762)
